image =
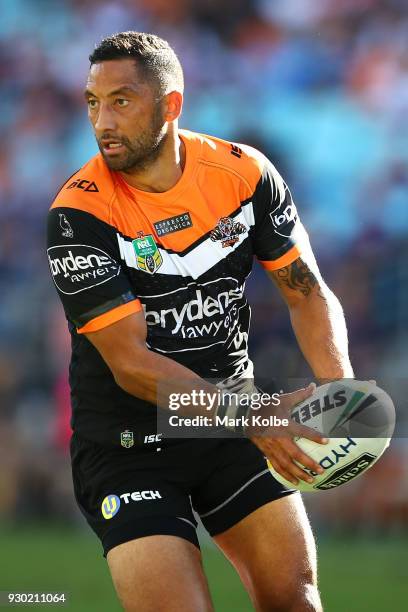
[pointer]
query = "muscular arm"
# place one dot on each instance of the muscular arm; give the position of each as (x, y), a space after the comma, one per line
(152, 377)
(317, 317)
(141, 372)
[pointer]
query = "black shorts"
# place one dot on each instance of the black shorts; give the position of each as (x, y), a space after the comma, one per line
(128, 493)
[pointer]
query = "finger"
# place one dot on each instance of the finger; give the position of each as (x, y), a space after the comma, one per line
(298, 455)
(284, 473)
(280, 460)
(296, 397)
(296, 473)
(302, 431)
(285, 460)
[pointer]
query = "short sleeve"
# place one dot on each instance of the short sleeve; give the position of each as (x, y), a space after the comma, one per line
(277, 231)
(83, 256)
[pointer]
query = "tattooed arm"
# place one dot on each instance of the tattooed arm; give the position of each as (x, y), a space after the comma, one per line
(317, 317)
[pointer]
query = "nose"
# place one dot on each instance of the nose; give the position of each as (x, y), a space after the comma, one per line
(105, 119)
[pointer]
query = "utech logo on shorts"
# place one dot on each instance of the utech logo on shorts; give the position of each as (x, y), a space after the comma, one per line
(111, 503)
(110, 506)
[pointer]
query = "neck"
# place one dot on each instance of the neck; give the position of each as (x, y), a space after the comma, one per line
(165, 171)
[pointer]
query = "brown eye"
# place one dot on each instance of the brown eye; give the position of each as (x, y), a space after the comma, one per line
(122, 102)
(92, 103)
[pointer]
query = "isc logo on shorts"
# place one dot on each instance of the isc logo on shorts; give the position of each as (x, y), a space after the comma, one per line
(111, 503)
(110, 506)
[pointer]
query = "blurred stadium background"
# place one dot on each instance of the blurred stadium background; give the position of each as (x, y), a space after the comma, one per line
(321, 86)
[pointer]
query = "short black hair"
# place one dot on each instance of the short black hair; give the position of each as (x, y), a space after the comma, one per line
(154, 56)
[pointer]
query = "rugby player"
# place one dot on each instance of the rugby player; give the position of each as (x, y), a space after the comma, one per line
(149, 245)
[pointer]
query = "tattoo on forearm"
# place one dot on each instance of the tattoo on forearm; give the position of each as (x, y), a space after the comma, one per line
(298, 277)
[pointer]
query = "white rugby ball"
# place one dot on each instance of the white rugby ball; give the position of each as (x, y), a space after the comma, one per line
(359, 419)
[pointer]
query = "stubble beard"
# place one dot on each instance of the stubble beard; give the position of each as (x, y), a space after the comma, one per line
(142, 151)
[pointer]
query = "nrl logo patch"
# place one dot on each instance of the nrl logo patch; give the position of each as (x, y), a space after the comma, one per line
(227, 231)
(126, 439)
(148, 258)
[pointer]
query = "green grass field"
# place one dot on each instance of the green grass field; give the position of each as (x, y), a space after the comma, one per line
(356, 575)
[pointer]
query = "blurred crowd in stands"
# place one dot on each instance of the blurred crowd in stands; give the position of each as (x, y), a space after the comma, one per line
(321, 87)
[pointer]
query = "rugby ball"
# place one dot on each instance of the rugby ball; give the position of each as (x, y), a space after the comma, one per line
(358, 418)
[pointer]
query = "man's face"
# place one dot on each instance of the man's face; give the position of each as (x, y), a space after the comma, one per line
(126, 115)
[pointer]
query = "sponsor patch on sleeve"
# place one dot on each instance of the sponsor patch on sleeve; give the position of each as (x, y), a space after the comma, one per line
(78, 267)
(283, 218)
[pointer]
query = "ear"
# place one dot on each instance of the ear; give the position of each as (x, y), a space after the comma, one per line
(173, 105)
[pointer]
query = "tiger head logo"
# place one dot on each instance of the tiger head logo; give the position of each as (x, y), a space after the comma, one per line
(227, 231)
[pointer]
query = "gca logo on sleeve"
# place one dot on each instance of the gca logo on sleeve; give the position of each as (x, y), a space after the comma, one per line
(78, 267)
